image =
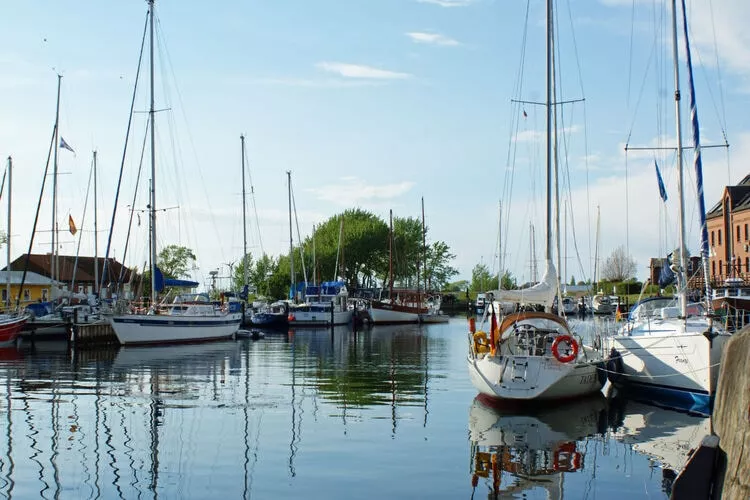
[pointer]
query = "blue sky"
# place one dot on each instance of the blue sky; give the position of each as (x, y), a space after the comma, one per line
(371, 104)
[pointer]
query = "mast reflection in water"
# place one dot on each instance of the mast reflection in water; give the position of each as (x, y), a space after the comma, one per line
(313, 413)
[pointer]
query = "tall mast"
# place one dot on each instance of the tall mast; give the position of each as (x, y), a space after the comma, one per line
(500, 246)
(424, 249)
(548, 105)
(53, 254)
(390, 257)
(96, 238)
(682, 284)
(291, 241)
(151, 116)
(244, 218)
(596, 249)
(7, 268)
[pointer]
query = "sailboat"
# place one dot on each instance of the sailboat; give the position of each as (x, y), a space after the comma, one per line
(675, 355)
(533, 355)
(10, 323)
(401, 306)
(183, 320)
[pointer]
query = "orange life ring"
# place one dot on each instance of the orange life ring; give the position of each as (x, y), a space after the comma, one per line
(573, 348)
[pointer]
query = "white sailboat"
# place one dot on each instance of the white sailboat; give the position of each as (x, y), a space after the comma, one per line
(183, 320)
(534, 355)
(675, 355)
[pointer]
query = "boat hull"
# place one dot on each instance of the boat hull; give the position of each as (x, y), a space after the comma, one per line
(172, 329)
(10, 329)
(381, 314)
(320, 318)
(269, 320)
(532, 377)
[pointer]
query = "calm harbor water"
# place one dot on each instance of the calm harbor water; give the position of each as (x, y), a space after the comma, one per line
(387, 412)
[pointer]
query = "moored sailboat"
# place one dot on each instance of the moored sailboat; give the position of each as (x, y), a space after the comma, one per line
(534, 355)
(182, 320)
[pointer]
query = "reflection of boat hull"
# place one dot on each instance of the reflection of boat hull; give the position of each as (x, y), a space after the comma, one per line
(533, 377)
(433, 318)
(173, 354)
(384, 313)
(679, 369)
(152, 329)
(319, 318)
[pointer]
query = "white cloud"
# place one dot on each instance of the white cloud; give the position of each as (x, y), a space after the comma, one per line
(432, 39)
(537, 135)
(352, 191)
(361, 71)
(322, 83)
(448, 3)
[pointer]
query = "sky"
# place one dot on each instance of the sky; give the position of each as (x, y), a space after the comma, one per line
(373, 104)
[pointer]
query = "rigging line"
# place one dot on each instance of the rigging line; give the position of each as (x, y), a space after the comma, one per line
(299, 237)
(718, 67)
(255, 207)
(640, 92)
(124, 151)
(52, 144)
(83, 222)
(192, 142)
(2, 184)
(630, 52)
(132, 211)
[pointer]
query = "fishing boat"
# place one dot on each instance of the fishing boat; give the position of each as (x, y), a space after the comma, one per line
(182, 320)
(534, 355)
(674, 356)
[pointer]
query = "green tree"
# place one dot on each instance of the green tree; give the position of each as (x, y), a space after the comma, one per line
(482, 280)
(176, 261)
(407, 250)
(437, 268)
(508, 282)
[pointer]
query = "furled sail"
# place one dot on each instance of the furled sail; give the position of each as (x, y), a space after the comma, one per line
(542, 293)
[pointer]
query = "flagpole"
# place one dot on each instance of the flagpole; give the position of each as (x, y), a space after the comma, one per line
(53, 255)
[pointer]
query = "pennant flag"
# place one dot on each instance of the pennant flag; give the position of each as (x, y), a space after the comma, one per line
(72, 225)
(662, 189)
(524, 114)
(65, 145)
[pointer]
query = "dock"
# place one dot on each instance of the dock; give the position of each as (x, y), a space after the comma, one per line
(100, 334)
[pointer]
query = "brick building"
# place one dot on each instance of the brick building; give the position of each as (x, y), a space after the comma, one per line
(728, 224)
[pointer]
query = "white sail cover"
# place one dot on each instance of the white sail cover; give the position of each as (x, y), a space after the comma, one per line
(542, 293)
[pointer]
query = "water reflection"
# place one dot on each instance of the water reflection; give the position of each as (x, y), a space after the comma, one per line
(520, 449)
(527, 451)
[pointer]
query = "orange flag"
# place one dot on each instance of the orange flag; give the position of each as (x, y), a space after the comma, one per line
(72, 225)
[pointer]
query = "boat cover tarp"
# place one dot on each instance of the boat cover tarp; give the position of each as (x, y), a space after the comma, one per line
(543, 293)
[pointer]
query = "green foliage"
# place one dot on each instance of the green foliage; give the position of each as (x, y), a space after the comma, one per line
(457, 286)
(258, 273)
(176, 261)
(481, 280)
(437, 268)
(508, 282)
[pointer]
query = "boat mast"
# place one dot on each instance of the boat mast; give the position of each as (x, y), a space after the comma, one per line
(53, 254)
(682, 292)
(390, 257)
(96, 239)
(500, 246)
(291, 241)
(424, 250)
(151, 116)
(7, 243)
(244, 218)
(596, 250)
(548, 106)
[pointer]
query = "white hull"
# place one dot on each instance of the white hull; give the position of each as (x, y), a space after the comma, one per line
(672, 357)
(165, 329)
(532, 377)
(386, 316)
(433, 318)
(320, 318)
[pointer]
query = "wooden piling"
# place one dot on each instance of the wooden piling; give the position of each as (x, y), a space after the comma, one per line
(94, 333)
(731, 415)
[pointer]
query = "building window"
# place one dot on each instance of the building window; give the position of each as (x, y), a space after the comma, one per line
(747, 264)
(5, 295)
(745, 232)
(44, 294)
(738, 233)
(721, 268)
(712, 239)
(713, 268)
(719, 231)
(27, 295)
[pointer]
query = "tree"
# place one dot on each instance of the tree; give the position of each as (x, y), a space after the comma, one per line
(482, 280)
(619, 266)
(508, 282)
(437, 267)
(176, 261)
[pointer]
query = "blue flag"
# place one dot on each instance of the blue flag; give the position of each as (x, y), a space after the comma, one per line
(662, 190)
